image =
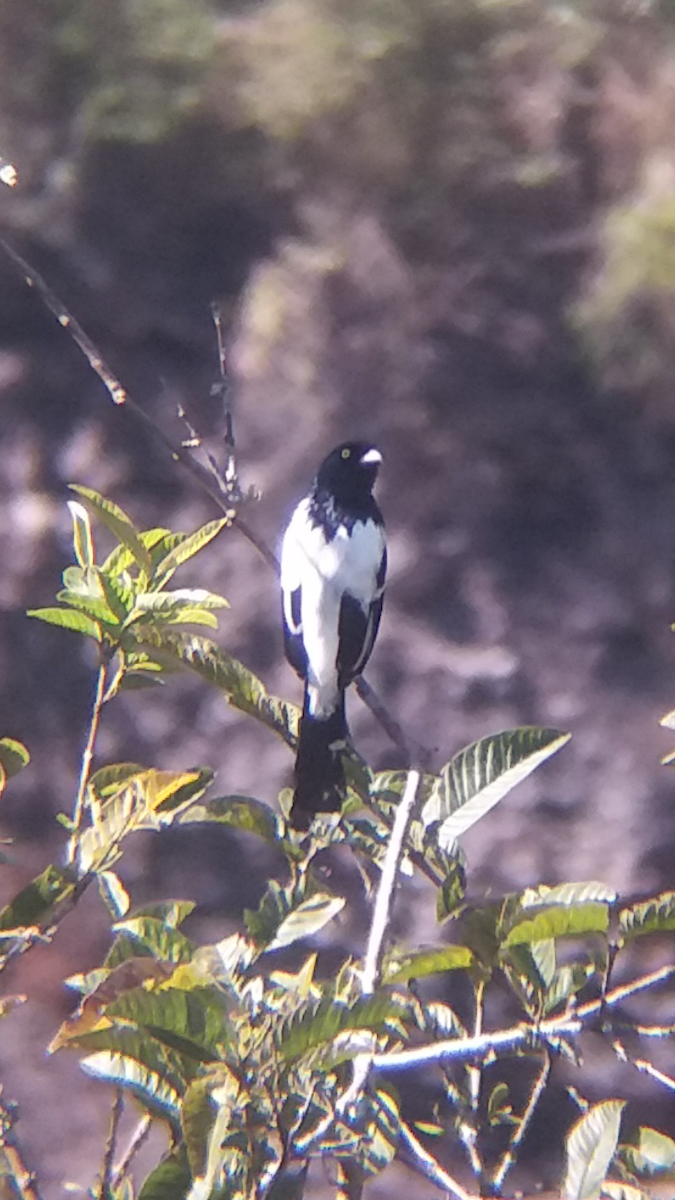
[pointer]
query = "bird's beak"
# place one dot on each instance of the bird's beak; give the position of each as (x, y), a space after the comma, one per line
(371, 458)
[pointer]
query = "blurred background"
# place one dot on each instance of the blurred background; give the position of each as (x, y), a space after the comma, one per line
(448, 226)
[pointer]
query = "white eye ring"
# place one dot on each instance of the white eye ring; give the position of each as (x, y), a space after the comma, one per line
(346, 453)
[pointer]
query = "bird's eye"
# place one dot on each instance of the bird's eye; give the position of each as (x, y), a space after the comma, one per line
(346, 453)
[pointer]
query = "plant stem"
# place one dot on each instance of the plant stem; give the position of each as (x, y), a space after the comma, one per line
(87, 757)
(506, 1161)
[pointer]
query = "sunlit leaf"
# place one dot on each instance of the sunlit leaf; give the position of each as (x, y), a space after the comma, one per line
(154, 937)
(567, 893)
(241, 687)
(147, 1086)
(95, 607)
(559, 922)
(67, 618)
(433, 961)
(147, 801)
(318, 1024)
(109, 779)
(613, 1190)
(306, 919)
(13, 756)
(481, 775)
(652, 1152)
(239, 812)
(118, 523)
(656, 915)
(34, 903)
(591, 1145)
(114, 894)
(83, 543)
(189, 546)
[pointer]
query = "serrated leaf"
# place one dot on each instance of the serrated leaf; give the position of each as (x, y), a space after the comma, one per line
(119, 524)
(147, 801)
(156, 541)
(567, 893)
(482, 774)
(189, 546)
(559, 922)
(318, 1024)
(433, 961)
(92, 606)
(239, 812)
(241, 687)
(83, 543)
(152, 936)
(306, 919)
(147, 1086)
(178, 599)
(13, 756)
(35, 902)
(591, 1145)
(168, 1181)
(67, 618)
(656, 915)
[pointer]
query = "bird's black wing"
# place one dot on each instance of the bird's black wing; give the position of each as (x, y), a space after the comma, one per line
(357, 630)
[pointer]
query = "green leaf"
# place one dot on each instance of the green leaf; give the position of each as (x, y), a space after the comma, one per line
(189, 546)
(591, 1145)
(559, 922)
(611, 1190)
(67, 618)
(241, 687)
(377, 1145)
(239, 812)
(83, 543)
(114, 894)
(189, 1017)
(168, 1181)
(118, 523)
(174, 602)
(433, 961)
(153, 1093)
(152, 936)
(35, 903)
(482, 774)
(306, 919)
(109, 779)
(13, 756)
(93, 606)
(147, 801)
(652, 1153)
(567, 893)
(656, 915)
(317, 1024)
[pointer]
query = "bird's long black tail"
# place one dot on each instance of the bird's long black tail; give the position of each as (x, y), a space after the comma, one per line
(319, 774)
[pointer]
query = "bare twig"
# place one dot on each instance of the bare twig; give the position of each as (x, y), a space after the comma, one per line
(107, 1165)
(372, 967)
(138, 1138)
(415, 1155)
(508, 1157)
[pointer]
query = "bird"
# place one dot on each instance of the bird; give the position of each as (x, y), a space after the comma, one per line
(333, 567)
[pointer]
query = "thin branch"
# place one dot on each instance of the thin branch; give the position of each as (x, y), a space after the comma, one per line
(138, 1139)
(548, 1032)
(372, 967)
(105, 1187)
(85, 764)
(24, 1180)
(420, 1159)
(508, 1157)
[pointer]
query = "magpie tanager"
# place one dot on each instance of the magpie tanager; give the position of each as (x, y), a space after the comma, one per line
(333, 563)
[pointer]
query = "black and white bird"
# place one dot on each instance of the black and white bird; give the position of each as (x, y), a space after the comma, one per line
(333, 564)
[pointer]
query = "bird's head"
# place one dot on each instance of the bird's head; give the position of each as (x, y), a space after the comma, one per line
(350, 470)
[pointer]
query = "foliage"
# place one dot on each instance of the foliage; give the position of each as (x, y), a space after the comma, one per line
(247, 1060)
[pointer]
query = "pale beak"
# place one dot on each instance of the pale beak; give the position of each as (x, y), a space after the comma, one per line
(371, 458)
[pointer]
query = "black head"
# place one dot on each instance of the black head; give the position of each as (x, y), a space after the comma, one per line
(349, 472)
